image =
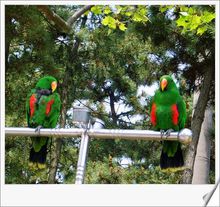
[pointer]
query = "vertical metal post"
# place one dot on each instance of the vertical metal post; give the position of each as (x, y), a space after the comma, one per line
(81, 165)
(81, 115)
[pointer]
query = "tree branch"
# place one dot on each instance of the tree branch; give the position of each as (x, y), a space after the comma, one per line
(72, 56)
(58, 22)
(125, 113)
(77, 14)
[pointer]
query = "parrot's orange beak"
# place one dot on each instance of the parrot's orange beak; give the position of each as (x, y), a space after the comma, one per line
(53, 86)
(163, 84)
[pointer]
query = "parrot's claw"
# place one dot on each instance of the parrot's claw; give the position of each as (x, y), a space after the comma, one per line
(37, 130)
(162, 133)
(167, 133)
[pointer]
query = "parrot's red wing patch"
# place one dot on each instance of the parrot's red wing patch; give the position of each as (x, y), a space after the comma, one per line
(153, 117)
(32, 102)
(48, 107)
(175, 114)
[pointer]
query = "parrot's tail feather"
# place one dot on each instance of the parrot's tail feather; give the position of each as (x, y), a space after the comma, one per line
(172, 162)
(38, 157)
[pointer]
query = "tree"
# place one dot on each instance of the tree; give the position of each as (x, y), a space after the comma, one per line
(101, 61)
(202, 160)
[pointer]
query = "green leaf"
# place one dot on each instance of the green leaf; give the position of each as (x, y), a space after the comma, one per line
(110, 22)
(191, 10)
(128, 13)
(112, 25)
(184, 13)
(142, 11)
(184, 9)
(105, 21)
(96, 9)
(165, 8)
(195, 22)
(137, 17)
(122, 26)
(86, 13)
(109, 31)
(119, 9)
(107, 10)
(201, 30)
(125, 8)
(208, 17)
(181, 22)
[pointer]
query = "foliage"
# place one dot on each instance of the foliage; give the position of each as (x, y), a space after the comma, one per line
(195, 19)
(109, 172)
(191, 18)
(118, 16)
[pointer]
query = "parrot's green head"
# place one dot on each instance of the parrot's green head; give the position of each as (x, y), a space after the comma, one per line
(167, 83)
(47, 82)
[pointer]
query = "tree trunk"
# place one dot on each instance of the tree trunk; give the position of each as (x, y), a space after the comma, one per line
(202, 160)
(66, 88)
(197, 120)
(112, 106)
(8, 39)
(57, 142)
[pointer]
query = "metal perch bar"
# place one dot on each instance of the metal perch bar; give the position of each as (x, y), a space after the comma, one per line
(15, 131)
(184, 136)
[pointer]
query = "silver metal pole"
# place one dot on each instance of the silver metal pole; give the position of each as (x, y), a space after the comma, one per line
(15, 131)
(81, 164)
(184, 136)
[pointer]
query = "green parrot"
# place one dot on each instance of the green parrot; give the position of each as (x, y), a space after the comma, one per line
(168, 113)
(42, 109)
